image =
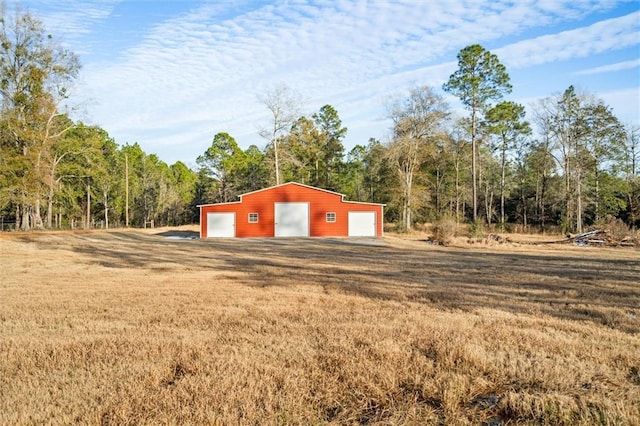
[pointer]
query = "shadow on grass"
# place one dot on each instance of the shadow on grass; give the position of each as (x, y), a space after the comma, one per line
(605, 291)
(179, 234)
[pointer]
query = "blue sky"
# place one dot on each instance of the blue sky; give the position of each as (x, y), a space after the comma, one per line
(171, 74)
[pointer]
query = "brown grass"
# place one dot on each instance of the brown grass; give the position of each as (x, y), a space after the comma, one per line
(132, 328)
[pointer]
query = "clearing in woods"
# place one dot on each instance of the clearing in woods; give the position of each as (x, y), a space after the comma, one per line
(131, 327)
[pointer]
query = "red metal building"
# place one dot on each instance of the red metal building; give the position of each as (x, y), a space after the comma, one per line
(291, 210)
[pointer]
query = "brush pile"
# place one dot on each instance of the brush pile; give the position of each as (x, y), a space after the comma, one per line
(601, 237)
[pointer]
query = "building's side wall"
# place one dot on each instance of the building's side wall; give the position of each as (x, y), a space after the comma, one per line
(359, 207)
(220, 208)
(320, 203)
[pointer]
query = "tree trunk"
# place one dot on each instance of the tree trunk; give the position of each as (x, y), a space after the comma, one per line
(17, 225)
(474, 187)
(88, 206)
(126, 185)
(632, 210)
(37, 218)
(26, 226)
(105, 197)
(524, 211)
(523, 202)
(457, 192)
(488, 202)
(567, 195)
(50, 210)
(542, 205)
(275, 154)
(597, 176)
(407, 202)
(579, 204)
(437, 193)
(502, 184)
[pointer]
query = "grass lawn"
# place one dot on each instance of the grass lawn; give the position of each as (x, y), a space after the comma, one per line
(132, 327)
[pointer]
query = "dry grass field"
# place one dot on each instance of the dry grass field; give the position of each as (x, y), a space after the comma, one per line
(131, 327)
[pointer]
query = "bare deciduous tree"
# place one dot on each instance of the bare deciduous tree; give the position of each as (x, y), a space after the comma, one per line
(284, 105)
(416, 122)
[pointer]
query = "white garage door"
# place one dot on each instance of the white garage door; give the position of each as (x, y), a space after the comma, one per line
(291, 219)
(221, 225)
(362, 224)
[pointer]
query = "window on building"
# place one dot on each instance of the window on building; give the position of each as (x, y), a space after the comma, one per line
(253, 217)
(331, 217)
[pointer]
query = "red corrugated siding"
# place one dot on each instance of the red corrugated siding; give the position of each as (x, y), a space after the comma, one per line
(262, 202)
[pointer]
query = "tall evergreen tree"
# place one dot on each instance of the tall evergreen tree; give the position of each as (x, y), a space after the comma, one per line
(506, 120)
(479, 80)
(605, 142)
(222, 160)
(332, 133)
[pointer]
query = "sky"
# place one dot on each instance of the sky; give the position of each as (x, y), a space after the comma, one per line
(169, 75)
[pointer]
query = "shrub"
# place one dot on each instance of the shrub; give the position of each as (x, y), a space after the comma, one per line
(444, 230)
(477, 229)
(615, 228)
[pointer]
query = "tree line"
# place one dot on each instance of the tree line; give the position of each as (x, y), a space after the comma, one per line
(569, 165)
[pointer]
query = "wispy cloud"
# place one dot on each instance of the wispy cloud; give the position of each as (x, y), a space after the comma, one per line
(72, 20)
(619, 66)
(199, 72)
(609, 34)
